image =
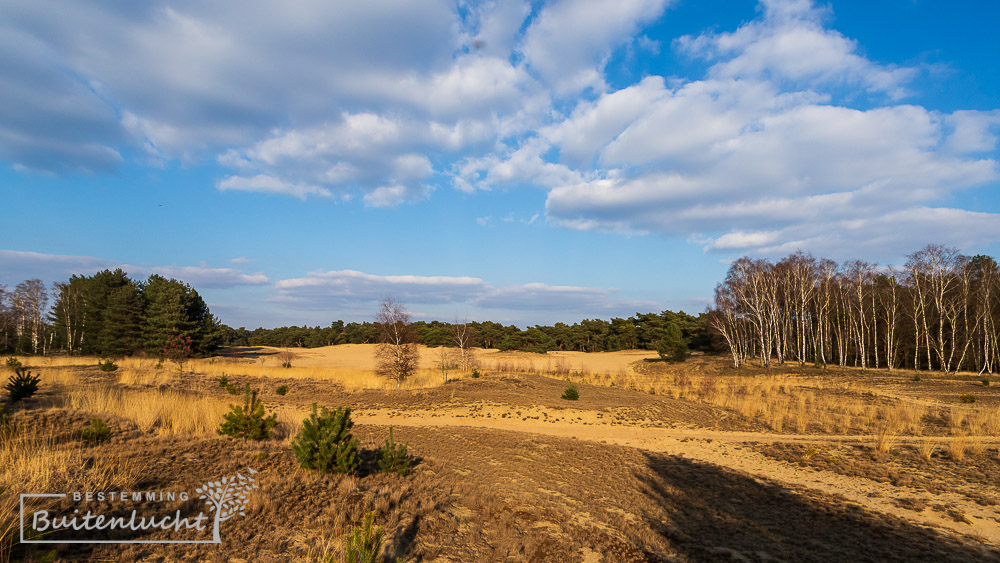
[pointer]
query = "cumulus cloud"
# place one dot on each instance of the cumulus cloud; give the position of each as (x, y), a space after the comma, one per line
(18, 265)
(569, 42)
(756, 157)
(790, 44)
(272, 185)
(350, 285)
(341, 288)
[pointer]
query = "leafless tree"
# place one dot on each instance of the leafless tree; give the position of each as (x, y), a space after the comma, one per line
(30, 301)
(396, 354)
(462, 335)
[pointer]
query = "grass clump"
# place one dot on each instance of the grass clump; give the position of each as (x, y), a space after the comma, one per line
(967, 398)
(325, 443)
(21, 385)
(571, 393)
(13, 363)
(248, 420)
(281, 390)
(95, 432)
(363, 544)
(392, 457)
(108, 365)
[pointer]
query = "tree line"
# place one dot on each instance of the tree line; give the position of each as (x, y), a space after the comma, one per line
(642, 331)
(106, 314)
(109, 314)
(939, 311)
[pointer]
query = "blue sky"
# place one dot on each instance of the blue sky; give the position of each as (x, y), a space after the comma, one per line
(525, 162)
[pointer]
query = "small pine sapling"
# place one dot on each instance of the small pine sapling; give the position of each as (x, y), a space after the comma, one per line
(281, 390)
(21, 385)
(324, 442)
(108, 365)
(392, 457)
(95, 432)
(571, 393)
(248, 421)
(363, 544)
(13, 363)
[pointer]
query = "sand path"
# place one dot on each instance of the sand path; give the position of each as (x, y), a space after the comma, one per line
(724, 449)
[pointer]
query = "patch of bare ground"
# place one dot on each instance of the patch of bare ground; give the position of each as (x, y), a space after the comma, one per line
(489, 495)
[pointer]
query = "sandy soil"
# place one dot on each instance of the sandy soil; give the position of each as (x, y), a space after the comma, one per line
(506, 470)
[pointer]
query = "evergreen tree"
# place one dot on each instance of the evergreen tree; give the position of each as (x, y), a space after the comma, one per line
(672, 347)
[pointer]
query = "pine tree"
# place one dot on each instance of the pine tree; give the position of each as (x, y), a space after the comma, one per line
(325, 443)
(671, 346)
(392, 457)
(248, 420)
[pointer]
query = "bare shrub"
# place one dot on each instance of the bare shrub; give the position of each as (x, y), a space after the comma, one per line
(396, 355)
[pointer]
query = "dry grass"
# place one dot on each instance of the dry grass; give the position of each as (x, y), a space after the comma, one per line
(957, 448)
(168, 412)
(36, 461)
(927, 450)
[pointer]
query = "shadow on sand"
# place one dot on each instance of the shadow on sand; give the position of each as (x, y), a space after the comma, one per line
(712, 514)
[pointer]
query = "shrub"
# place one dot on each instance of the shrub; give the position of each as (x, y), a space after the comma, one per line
(95, 432)
(986, 381)
(285, 357)
(364, 543)
(571, 393)
(916, 377)
(324, 442)
(13, 363)
(392, 457)
(967, 398)
(248, 421)
(223, 381)
(21, 385)
(108, 365)
(476, 374)
(178, 349)
(281, 390)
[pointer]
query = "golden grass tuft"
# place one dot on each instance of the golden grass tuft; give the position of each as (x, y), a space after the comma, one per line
(168, 412)
(35, 461)
(957, 447)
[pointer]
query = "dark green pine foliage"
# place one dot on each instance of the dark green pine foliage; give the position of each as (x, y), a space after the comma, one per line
(672, 347)
(173, 307)
(111, 311)
(392, 457)
(325, 443)
(21, 385)
(248, 421)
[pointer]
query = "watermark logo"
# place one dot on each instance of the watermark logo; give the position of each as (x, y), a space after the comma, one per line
(130, 516)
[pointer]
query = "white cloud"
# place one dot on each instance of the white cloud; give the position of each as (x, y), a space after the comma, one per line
(201, 276)
(391, 196)
(569, 42)
(18, 265)
(350, 285)
(353, 288)
(271, 185)
(791, 44)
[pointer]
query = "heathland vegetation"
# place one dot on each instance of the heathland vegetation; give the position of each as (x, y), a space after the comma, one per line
(546, 443)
